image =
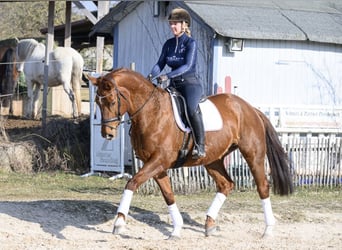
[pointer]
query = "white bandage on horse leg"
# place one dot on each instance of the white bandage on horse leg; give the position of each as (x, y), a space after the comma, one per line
(176, 218)
(268, 214)
(216, 205)
(125, 202)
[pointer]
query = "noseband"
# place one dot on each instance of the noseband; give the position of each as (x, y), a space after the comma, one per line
(105, 122)
(118, 117)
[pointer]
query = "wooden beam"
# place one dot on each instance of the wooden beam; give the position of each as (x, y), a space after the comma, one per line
(67, 30)
(103, 9)
(48, 49)
(86, 12)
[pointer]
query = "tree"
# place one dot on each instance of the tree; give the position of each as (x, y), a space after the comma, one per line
(25, 19)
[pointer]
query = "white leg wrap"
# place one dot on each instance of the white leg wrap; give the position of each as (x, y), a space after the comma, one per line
(216, 205)
(125, 202)
(176, 218)
(268, 214)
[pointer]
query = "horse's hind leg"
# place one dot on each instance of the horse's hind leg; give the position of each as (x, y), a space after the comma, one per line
(11, 107)
(71, 95)
(256, 163)
(224, 185)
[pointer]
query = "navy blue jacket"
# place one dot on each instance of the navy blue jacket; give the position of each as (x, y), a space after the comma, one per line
(180, 54)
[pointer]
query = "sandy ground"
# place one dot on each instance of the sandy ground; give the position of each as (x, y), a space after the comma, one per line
(87, 224)
(69, 224)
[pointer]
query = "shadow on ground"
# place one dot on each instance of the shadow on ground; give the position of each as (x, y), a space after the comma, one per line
(54, 216)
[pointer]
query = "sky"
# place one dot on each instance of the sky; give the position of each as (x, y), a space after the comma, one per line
(91, 6)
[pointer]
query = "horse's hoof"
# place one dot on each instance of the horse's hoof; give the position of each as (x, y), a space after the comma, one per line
(118, 229)
(210, 231)
(119, 225)
(268, 232)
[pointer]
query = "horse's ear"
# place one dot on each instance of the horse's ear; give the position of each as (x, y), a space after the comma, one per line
(92, 79)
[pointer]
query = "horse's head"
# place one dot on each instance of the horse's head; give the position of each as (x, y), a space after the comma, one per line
(20, 61)
(19, 67)
(110, 100)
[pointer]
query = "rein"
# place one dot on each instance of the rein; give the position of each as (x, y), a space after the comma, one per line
(119, 116)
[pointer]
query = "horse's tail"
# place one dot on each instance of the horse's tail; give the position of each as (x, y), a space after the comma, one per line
(278, 160)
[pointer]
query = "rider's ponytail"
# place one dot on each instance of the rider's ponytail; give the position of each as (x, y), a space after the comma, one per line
(186, 29)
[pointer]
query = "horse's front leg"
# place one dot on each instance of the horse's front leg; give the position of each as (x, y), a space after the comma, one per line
(29, 110)
(34, 100)
(164, 184)
(150, 169)
(224, 185)
(120, 220)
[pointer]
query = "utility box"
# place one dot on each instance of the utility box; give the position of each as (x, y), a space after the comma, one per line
(106, 155)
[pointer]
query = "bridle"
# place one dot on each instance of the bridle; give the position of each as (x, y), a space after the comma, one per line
(117, 118)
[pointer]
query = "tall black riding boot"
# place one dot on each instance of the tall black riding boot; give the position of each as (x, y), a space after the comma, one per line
(198, 134)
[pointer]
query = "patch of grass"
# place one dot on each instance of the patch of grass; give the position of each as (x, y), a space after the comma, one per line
(56, 185)
(63, 186)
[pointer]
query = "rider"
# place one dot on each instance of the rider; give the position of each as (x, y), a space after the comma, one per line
(180, 54)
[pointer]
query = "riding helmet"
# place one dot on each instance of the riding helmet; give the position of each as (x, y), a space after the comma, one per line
(180, 15)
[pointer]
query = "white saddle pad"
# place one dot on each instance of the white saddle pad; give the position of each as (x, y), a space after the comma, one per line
(212, 119)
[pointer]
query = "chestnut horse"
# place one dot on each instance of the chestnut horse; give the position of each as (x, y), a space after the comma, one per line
(157, 139)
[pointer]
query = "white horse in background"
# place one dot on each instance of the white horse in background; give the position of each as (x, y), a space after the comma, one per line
(65, 68)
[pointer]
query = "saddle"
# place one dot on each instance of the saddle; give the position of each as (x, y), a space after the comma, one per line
(179, 109)
(212, 120)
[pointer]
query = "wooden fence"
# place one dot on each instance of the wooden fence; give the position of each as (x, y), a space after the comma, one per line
(316, 161)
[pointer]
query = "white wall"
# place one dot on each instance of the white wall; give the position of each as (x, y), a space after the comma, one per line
(284, 72)
(141, 37)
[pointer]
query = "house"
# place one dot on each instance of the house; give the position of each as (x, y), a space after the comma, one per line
(282, 56)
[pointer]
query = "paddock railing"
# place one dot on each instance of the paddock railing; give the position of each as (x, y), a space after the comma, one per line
(315, 161)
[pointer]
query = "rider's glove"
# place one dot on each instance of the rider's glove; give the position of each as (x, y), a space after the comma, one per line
(149, 77)
(162, 78)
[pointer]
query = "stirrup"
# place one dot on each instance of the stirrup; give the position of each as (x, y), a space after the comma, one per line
(198, 152)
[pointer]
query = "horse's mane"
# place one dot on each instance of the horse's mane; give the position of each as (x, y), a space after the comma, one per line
(140, 78)
(26, 47)
(126, 70)
(122, 69)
